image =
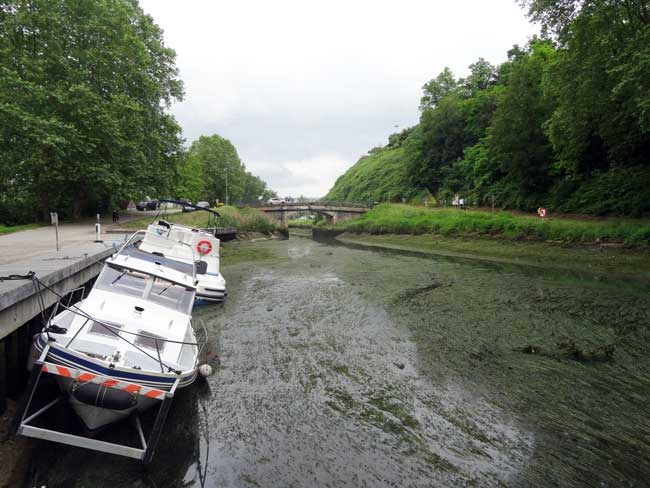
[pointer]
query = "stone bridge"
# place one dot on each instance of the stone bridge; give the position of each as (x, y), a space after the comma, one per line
(333, 213)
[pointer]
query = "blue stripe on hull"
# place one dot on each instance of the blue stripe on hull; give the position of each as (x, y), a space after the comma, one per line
(72, 361)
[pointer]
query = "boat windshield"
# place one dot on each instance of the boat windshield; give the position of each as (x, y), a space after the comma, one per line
(136, 284)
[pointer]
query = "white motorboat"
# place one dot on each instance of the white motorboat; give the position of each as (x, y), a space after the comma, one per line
(128, 343)
(185, 244)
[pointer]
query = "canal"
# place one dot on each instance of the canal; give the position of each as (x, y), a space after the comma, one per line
(345, 366)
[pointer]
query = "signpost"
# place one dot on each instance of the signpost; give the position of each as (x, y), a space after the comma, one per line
(54, 216)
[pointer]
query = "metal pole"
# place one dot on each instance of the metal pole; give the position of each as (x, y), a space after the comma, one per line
(54, 216)
(98, 230)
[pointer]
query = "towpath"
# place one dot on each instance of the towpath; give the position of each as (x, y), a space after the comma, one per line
(23, 245)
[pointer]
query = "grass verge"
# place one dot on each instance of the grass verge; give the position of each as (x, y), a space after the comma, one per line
(9, 229)
(406, 219)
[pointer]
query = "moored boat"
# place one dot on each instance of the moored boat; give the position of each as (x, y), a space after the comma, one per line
(186, 244)
(129, 342)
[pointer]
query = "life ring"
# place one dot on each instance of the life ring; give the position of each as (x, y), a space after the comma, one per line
(541, 212)
(204, 247)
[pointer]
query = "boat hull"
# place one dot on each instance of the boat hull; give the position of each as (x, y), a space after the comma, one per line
(211, 287)
(97, 409)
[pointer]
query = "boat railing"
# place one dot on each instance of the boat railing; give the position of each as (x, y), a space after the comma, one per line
(69, 298)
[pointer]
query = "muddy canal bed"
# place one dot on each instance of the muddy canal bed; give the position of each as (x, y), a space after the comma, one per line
(344, 366)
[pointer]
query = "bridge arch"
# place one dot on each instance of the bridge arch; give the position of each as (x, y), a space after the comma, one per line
(333, 213)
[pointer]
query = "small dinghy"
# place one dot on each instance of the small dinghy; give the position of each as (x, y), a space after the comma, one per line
(125, 347)
(184, 244)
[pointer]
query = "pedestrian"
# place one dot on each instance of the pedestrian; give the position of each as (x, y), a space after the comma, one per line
(114, 216)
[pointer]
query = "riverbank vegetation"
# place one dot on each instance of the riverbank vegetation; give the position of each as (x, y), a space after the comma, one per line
(564, 123)
(242, 219)
(8, 229)
(85, 92)
(406, 219)
(301, 224)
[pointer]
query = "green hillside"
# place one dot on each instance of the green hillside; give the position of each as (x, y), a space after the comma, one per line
(563, 123)
(379, 176)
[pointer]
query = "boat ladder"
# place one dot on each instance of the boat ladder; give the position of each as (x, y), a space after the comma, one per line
(27, 413)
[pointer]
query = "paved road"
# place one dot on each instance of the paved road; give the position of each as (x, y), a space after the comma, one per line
(25, 244)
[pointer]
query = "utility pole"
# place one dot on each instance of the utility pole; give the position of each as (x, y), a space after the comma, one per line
(226, 186)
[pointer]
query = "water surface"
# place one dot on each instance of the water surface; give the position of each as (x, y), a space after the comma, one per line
(345, 366)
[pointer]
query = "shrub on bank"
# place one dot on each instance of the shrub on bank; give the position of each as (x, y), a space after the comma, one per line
(243, 219)
(405, 219)
(301, 224)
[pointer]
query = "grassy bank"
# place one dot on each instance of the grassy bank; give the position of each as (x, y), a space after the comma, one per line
(243, 219)
(405, 219)
(301, 224)
(8, 229)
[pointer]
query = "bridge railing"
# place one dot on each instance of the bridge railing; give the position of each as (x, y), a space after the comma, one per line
(314, 203)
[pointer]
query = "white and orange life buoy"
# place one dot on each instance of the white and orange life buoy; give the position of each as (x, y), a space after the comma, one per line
(204, 247)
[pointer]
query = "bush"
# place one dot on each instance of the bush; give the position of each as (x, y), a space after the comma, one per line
(619, 191)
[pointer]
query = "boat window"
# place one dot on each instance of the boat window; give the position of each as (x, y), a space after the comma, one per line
(148, 340)
(171, 295)
(122, 280)
(97, 328)
(133, 283)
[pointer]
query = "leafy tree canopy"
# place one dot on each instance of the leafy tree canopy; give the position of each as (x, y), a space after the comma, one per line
(84, 87)
(213, 171)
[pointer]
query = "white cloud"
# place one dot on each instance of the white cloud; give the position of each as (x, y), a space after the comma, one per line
(303, 88)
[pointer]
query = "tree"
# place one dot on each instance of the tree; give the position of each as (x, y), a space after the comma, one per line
(442, 142)
(517, 137)
(255, 190)
(601, 85)
(482, 76)
(214, 161)
(84, 88)
(438, 88)
(220, 166)
(190, 178)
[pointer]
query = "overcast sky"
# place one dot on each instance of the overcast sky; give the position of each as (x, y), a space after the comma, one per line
(304, 88)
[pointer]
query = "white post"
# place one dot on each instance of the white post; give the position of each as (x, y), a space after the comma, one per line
(98, 230)
(55, 221)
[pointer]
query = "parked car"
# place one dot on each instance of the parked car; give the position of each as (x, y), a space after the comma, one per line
(203, 204)
(185, 208)
(276, 201)
(147, 205)
(288, 200)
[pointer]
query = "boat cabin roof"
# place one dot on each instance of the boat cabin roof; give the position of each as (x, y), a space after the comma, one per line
(156, 265)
